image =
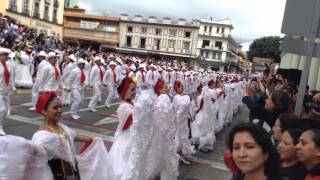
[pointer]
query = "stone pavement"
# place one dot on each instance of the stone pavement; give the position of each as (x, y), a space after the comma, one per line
(205, 166)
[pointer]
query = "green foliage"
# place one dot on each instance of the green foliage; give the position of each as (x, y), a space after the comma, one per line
(265, 47)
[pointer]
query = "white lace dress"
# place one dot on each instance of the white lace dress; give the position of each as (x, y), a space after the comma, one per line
(164, 152)
(181, 108)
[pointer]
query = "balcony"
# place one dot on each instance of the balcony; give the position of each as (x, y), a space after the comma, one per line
(46, 18)
(26, 12)
(36, 15)
(13, 8)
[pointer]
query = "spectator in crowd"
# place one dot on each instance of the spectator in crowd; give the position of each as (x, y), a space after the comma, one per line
(253, 153)
(308, 151)
(290, 166)
(284, 121)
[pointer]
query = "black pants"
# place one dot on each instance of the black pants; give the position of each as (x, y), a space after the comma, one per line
(63, 170)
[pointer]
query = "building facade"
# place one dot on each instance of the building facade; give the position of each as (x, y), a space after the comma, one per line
(71, 3)
(216, 48)
(170, 40)
(42, 15)
(89, 29)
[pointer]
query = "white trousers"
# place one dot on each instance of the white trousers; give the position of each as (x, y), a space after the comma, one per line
(78, 97)
(66, 96)
(112, 92)
(35, 94)
(4, 107)
(96, 95)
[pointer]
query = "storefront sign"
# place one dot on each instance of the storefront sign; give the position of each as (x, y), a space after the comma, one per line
(89, 25)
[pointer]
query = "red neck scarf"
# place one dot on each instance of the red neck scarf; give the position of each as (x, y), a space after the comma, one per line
(6, 73)
(82, 77)
(101, 73)
(114, 76)
(143, 79)
(56, 72)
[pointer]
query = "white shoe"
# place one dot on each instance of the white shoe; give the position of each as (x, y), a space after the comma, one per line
(93, 110)
(2, 133)
(32, 109)
(9, 112)
(184, 160)
(75, 117)
(108, 106)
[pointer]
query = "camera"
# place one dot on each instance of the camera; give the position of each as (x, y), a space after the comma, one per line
(313, 105)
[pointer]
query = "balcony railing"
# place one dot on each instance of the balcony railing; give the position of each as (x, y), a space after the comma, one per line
(46, 17)
(36, 15)
(26, 12)
(55, 20)
(13, 8)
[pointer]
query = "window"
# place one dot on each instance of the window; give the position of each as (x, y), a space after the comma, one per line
(206, 54)
(205, 43)
(186, 45)
(25, 9)
(218, 44)
(219, 56)
(214, 55)
(187, 34)
(143, 42)
(130, 29)
(46, 12)
(13, 5)
(171, 43)
(157, 44)
(128, 41)
(205, 28)
(144, 30)
(210, 28)
(218, 30)
(172, 33)
(158, 31)
(222, 30)
(36, 10)
(54, 15)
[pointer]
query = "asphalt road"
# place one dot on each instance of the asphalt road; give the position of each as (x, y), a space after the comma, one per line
(205, 166)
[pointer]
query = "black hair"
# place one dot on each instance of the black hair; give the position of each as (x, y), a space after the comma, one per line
(315, 171)
(51, 98)
(282, 101)
(289, 120)
(122, 84)
(263, 139)
(295, 134)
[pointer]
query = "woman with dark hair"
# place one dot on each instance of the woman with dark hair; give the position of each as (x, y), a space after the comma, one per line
(277, 103)
(119, 154)
(164, 132)
(181, 104)
(253, 153)
(290, 166)
(284, 122)
(308, 151)
(57, 139)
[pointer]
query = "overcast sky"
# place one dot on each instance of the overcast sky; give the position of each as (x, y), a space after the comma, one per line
(251, 18)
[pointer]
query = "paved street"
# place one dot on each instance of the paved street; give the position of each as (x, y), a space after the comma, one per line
(22, 122)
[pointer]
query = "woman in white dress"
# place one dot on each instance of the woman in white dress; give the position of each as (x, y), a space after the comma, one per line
(181, 105)
(165, 129)
(203, 126)
(23, 76)
(120, 151)
(57, 140)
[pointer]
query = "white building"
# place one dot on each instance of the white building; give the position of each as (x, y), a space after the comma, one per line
(167, 38)
(216, 49)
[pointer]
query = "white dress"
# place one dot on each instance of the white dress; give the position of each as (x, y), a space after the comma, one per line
(203, 126)
(120, 151)
(23, 77)
(181, 108)
(57, 146)
(165, 156)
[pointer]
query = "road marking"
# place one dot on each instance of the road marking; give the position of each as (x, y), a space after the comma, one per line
(107, 120)
(213, 164)
(80, 131)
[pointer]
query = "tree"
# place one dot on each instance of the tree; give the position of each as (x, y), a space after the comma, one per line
(265, 47)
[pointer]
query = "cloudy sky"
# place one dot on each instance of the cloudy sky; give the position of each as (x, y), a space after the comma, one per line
(251, 18)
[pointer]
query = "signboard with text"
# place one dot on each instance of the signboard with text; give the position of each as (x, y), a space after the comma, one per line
(89, 25)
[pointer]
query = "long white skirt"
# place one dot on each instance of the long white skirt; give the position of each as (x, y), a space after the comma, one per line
(23, 76)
